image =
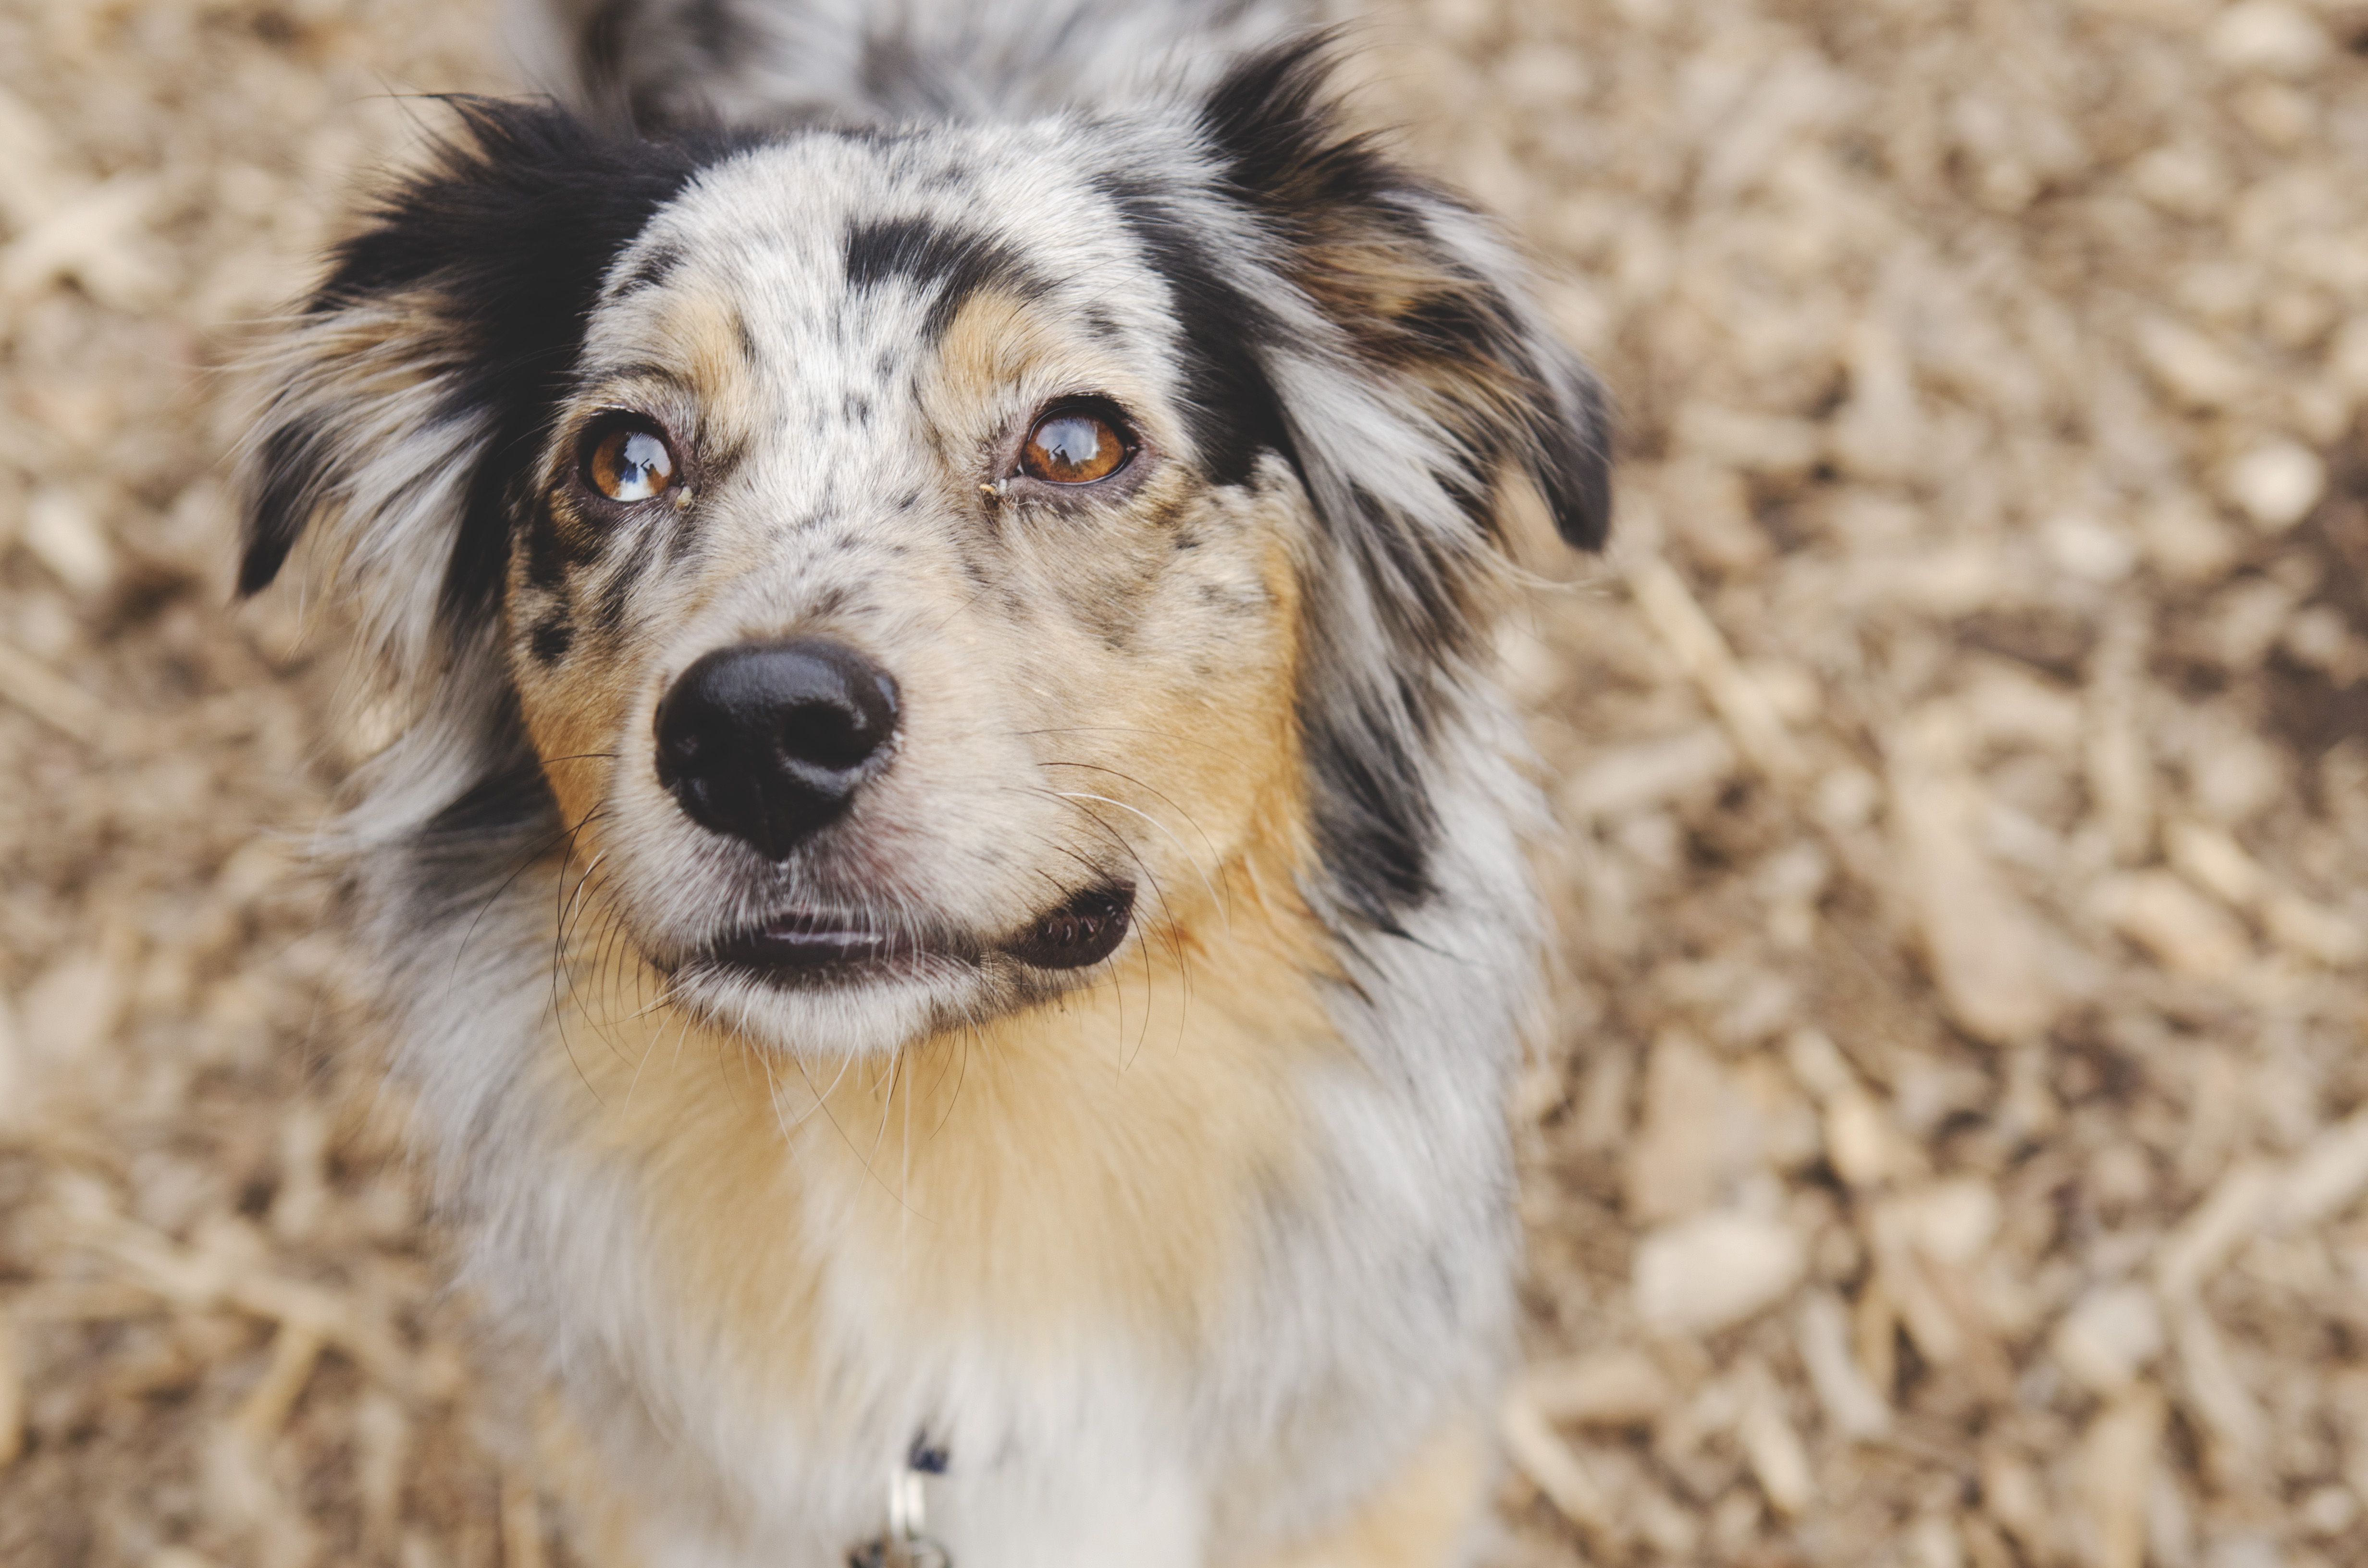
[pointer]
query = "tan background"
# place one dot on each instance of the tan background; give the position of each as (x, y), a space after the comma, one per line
(1949, 1148)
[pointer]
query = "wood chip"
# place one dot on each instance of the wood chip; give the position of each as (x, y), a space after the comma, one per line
(51, 698)
(1986, 948)
(2327, 1177)
(2203, 1242)
(1773, 1450)
(90, 240)
(1694, 1141)
(295, 1351)
(2212, 860)
(12, 1390)
(2118, 1456)
(193, 1279)
(2170, 920)
(2109, 1337)
(1853, 1403)
(2212, 1389)
(1701, 652)
(2120, 767)
(1707, 1273)
(1552, 1465)
(1609, 1388)
(1633, 778)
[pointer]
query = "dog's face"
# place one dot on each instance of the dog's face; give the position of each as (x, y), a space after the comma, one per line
(923, 565)
(872, 569)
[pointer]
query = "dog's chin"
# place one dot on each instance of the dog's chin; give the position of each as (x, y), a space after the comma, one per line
(811, 982)
(872, 1016)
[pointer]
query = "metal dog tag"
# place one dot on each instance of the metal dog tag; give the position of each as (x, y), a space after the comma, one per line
(907, 1544)
(918, 1551)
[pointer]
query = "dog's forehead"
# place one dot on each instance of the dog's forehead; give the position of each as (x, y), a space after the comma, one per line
(831, 240)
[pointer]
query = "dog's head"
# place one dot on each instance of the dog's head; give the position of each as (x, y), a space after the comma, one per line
(912, 567)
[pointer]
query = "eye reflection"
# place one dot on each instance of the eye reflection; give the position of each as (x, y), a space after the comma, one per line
(1073, 447)
(632, 462)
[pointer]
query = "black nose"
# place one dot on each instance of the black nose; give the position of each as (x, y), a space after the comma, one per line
(767, 742)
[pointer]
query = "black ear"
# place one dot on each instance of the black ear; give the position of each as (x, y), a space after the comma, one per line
(408, 391)
(1426, 296)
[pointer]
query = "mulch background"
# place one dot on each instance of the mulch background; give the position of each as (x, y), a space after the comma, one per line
(1949, 1148)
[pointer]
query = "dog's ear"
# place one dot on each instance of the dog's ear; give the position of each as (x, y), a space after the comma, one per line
(408, 394)
(1420, 293)
(1401, 369)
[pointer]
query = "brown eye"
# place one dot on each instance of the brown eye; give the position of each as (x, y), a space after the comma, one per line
(1073, 446)
(630, 463)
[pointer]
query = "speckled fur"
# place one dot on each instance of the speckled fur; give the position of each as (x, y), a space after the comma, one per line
(1200, 1256)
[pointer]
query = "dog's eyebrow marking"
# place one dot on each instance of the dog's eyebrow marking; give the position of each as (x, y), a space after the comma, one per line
(927, 255)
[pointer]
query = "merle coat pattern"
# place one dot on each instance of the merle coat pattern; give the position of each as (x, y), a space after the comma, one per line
(1190, 1248)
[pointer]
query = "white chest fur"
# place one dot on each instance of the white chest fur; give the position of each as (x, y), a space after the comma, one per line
(1177, 1271)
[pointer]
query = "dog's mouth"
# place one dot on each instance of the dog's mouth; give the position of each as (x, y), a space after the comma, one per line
(809, 948)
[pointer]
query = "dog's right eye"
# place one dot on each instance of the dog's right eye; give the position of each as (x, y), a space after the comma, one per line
(629, 462)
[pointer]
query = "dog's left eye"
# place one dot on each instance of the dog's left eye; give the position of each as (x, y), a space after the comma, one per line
(628, 462)
(1074, 446)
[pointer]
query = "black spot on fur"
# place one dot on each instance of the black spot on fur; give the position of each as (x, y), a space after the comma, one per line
(547, 555)
(927, 256)
(552, 637)
(643, 546)
(295, 456)
(508, 816)
(499, 250)
(1229, 405)
(649, 270)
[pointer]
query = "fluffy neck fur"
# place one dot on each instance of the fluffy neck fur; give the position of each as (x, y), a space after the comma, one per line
(1197, 1245)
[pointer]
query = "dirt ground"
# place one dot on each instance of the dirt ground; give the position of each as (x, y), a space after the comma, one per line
(1948, 1148)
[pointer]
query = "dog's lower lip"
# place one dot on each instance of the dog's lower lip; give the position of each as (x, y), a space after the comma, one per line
(814, 945)
(804, 941)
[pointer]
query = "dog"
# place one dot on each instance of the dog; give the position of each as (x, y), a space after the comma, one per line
(951, 887)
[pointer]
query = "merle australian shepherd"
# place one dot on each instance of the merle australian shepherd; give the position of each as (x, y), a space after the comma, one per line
(951, 886)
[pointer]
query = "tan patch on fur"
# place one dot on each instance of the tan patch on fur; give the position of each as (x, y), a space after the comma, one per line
(996, 340)
(573, 714)
(1084, 1166)
(992, 339)
(603, 1522)
(1422, 1518)
(701, 331)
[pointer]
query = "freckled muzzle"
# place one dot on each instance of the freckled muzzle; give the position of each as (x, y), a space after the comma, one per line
(768, 742)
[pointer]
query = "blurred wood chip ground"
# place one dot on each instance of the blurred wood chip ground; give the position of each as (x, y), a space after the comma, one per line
(1950, 1145)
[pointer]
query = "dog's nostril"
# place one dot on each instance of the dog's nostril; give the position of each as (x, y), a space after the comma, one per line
(829, 736)
(768, 742)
